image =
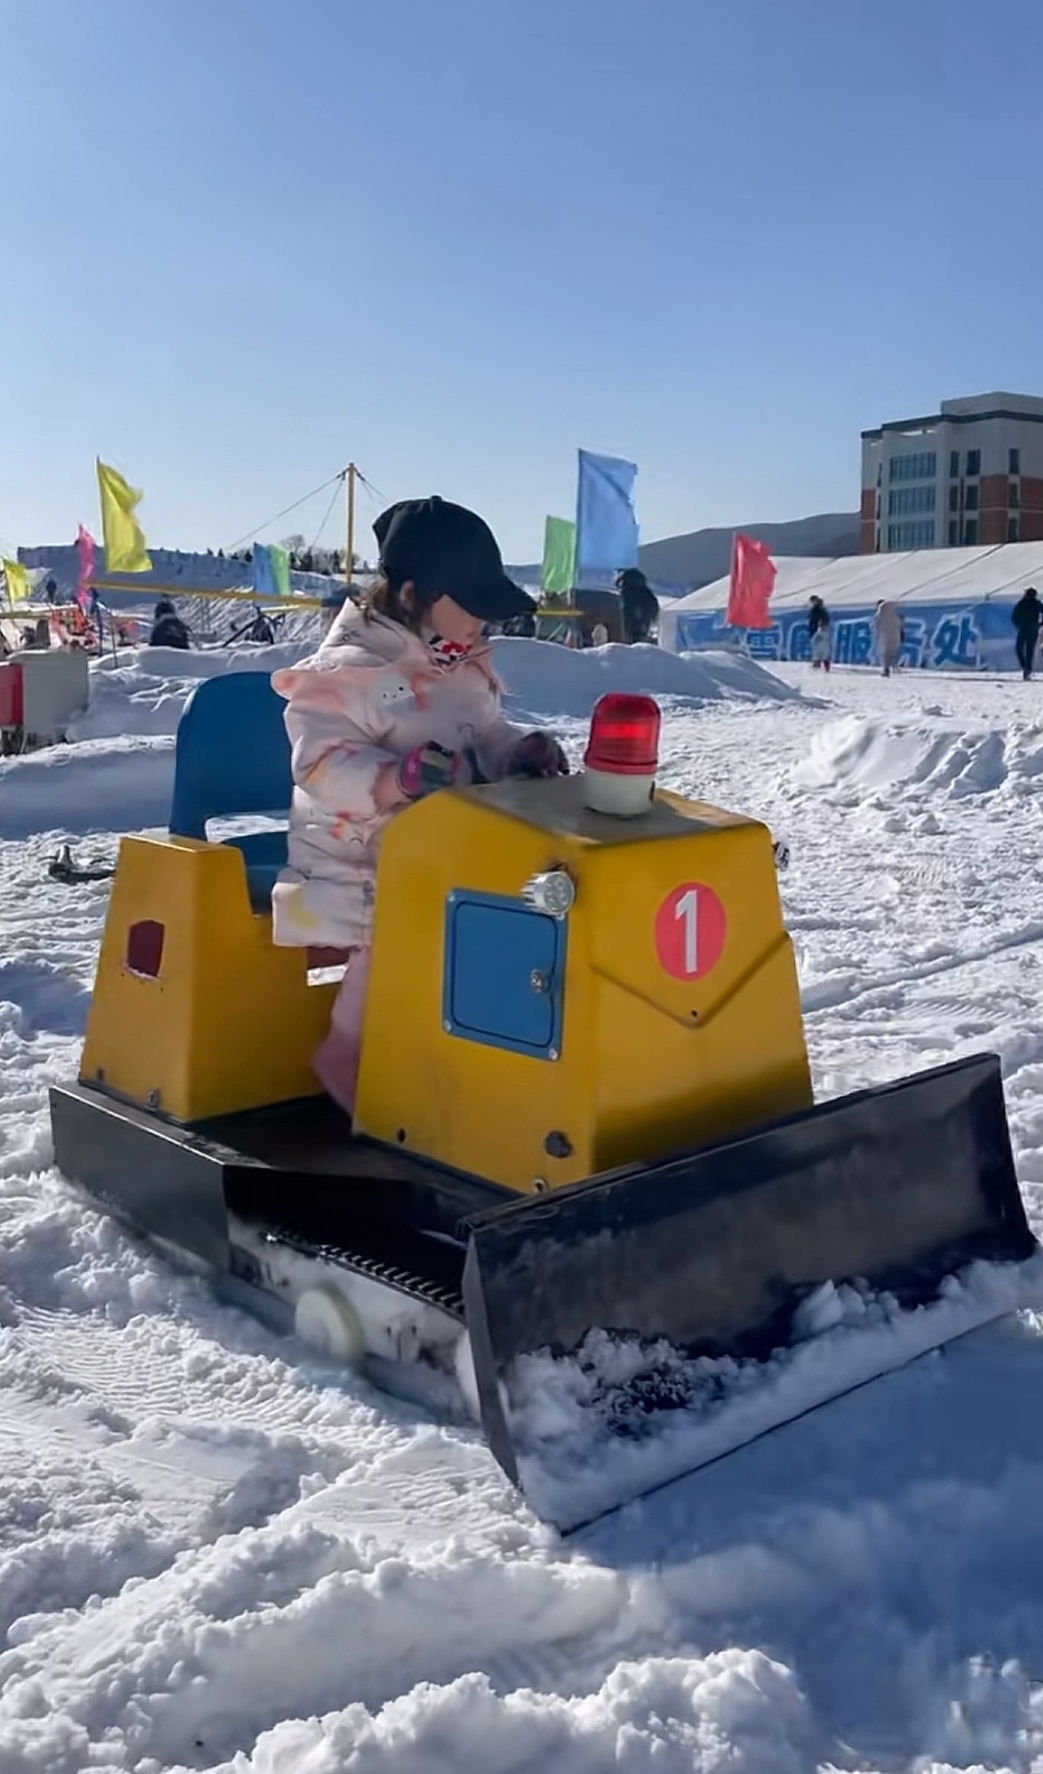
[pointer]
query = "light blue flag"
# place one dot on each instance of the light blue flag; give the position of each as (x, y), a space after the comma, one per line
(606, 528)
(271, 571)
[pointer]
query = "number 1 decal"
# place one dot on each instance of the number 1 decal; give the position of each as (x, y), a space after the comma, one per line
(688, 913)
(691, 928)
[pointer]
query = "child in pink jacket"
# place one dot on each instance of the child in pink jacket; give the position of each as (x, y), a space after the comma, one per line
(400, 700)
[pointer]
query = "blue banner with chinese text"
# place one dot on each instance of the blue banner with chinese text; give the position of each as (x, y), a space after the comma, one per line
(938, 637)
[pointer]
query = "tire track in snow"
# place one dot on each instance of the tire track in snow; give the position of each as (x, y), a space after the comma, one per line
(852, 995)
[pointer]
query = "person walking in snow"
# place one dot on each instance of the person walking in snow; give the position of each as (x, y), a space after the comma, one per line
(820, 628)
(888, 634)
(1027, 617)
(168, 630)
(399, 701)
(640, 605)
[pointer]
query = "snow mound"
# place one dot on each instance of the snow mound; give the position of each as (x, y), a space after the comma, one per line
(143, 692)
(537, 675)
(927, 761)
(104, 785)
(674, 1714)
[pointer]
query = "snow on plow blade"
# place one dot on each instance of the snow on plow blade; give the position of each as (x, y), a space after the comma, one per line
(738, 1287)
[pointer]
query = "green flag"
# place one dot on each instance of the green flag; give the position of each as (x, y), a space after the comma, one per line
(281, 570)
(559, 555)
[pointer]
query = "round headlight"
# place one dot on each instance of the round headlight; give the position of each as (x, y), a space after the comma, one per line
(553, 892)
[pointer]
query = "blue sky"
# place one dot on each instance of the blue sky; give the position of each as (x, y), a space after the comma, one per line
(247, 240)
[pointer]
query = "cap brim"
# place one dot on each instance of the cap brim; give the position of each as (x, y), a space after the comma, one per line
(496, 602)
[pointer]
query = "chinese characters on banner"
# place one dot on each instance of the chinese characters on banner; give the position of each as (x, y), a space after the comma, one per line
(936, 638)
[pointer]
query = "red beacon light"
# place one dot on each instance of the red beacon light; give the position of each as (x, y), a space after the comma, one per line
(622, 755)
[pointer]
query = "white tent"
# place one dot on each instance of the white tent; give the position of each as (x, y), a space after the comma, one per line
(956, 579)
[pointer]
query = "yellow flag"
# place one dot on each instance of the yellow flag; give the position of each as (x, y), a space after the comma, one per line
(125, 550)
(17, 581)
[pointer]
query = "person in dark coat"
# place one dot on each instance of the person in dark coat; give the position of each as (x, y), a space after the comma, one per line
(168, 630)
(820, 629)
(1027, 617)
(521, 627)
(640, 605)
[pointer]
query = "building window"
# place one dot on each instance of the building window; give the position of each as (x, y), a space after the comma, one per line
(879, 473)
(1013, 461)
(919, 465)
(910, 501)
(904, 536)
(1013, 529)
(954, 498)
(970, 532)
(954, 464)
(971, 499)
(973, 462)
(954, 533)
(1013, 496)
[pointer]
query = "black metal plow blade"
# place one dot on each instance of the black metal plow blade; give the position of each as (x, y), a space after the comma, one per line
(631, 1328)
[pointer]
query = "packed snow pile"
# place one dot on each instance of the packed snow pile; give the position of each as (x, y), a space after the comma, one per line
(670, 1714)
(538, 675)
(112, 785)
(138, 696)
(619, 1417)
(144, 692)
(941, 762)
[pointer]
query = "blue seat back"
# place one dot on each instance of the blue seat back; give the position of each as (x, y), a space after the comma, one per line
(232, 757)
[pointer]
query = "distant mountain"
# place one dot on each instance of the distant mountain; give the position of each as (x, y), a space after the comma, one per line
(705, 555)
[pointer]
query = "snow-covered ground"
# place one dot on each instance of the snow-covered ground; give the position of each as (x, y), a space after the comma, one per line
(218, 1553)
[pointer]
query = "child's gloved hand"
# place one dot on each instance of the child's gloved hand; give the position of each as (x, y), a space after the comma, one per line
(538, 754)
(427, 768)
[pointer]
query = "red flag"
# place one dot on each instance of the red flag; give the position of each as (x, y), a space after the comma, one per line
(752, 583)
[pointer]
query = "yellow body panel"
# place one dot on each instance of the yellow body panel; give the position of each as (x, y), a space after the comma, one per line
(230, 1022)
(647, 1062)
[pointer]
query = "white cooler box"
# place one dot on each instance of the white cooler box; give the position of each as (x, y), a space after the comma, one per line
(55, 688)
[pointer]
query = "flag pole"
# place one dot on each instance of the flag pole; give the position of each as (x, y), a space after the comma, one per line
(743, 641)
(350, 474)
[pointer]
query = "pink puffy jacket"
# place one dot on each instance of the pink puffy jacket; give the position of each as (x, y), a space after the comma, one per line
(370, 694)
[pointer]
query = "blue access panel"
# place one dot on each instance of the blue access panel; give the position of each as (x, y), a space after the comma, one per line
(504, 973)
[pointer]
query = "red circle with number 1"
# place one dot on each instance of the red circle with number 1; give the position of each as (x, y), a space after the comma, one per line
(690, 930)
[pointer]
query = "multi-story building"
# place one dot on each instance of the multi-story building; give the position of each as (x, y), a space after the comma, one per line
(970, 475)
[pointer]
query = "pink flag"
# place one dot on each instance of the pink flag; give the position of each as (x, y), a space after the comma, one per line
(752, 583)
(85, 551)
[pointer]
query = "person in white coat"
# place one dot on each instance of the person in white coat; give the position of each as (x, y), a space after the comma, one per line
(888, 633)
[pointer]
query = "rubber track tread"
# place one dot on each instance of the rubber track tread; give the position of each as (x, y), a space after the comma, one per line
(428, 1289)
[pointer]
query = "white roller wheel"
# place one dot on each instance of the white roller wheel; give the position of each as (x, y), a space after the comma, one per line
(466, 1378)
(329, 1322)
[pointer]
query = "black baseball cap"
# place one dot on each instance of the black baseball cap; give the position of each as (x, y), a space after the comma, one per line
(448, 551)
